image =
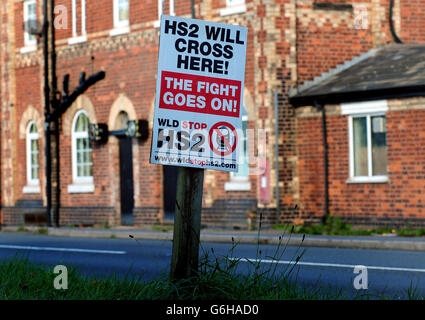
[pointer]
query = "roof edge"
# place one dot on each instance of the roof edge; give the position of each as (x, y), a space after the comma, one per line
(357, 96)
(339, 68)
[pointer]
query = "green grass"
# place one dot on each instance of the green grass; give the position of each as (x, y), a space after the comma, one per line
(106, 225)
(407, 232)
(22, 280)
(335, 226)
(42, 231)
(161, 228)
(218, 278)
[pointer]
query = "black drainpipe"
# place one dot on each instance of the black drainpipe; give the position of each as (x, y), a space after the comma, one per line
(55, 105)
(47, 112)
(393, 32)
(321, 108)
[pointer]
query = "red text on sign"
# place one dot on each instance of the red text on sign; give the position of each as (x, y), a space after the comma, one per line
(193, 125)
(200, 94)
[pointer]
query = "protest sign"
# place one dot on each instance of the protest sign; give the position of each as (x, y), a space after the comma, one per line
(200, 81)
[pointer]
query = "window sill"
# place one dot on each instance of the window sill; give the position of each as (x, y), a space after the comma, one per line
(382, 179)
(81, 188)
(235, 9)
(31, 189)
(75, 40)
(28, 49)
(119, 30)
(237, 186)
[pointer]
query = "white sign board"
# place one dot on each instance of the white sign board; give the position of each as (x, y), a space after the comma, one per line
(199, 90)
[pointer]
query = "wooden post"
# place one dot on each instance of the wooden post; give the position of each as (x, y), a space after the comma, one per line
(187, 223)
(187, 218)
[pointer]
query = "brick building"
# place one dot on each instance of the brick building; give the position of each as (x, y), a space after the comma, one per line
(358, 122)
(289, 44)
(372, 111)
(121, 38)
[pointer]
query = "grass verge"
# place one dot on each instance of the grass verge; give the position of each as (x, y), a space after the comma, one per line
(23, 280)
(335, 226)
(218, 278)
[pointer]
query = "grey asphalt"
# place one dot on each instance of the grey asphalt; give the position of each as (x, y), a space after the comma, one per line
(390, 272)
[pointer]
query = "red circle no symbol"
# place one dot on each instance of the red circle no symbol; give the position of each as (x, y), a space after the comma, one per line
(217, 128)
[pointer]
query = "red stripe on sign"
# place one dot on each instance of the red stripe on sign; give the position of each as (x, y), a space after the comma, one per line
(200, 94)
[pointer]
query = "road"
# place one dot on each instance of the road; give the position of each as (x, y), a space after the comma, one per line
(390, 272)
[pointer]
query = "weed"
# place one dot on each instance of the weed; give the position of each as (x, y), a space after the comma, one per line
(42, 231)
(405, 232)
(162, 228)
(22, 229)
(336, 226)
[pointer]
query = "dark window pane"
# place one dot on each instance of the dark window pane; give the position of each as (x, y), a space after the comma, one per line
(379, 145)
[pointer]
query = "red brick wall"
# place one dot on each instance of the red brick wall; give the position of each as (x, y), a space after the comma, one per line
(143, 11)
(412, 23)
(324, 40)
(7, 110)
(100, 16)
(327, 38)
(222, 177)
(3, 61)
(63, 34)
(130, 63)
(19, 21)
(130, 70)
(310, 164)
(28, 91)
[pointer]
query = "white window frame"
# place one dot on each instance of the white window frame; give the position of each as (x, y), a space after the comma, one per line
(233, 7)
(29, 44)
(83, 36)
(83, 18)
(79, 184)
(120, 27)
(33, 185)
(239, 183)
(363, 110)
(161, 10)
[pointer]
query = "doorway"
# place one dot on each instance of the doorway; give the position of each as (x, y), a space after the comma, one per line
(169, 187)
(126, 173)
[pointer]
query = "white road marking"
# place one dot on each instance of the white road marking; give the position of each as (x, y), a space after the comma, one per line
(60, 249)
(332, 265)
